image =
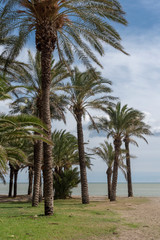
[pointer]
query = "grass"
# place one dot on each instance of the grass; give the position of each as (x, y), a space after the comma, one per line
(71, 221)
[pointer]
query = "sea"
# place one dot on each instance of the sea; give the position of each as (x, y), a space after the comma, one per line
(100, 189)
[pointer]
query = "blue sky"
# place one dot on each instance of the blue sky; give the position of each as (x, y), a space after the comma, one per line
(136, 81)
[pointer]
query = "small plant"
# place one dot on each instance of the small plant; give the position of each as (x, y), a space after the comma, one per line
(64, 181)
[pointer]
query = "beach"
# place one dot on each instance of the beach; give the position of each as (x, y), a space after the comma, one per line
(144, 215)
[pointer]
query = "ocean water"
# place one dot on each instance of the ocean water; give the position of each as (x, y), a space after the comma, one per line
(100, 189)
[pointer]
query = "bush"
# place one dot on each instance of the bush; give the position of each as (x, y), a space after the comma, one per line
(64, 182)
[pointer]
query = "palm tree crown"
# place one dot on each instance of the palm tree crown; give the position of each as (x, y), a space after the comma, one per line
(68, 25)
(29, 100)
(88, 91)
(118, 120)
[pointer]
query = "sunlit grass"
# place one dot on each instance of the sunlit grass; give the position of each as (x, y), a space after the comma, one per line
(71, 221)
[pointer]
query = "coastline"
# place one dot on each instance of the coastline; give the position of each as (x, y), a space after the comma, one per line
(100, 189)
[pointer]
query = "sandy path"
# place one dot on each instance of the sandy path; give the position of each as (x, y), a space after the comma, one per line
(147, 217)
(19, 198)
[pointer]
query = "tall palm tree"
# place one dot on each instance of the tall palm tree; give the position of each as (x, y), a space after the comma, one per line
(88, 92)
(30, 102)
(138, 129)
(116, 122)
(67, 26)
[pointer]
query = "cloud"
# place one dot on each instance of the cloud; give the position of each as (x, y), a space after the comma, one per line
(23, 56)
(94, 134)
(136, 78)
(4, 106)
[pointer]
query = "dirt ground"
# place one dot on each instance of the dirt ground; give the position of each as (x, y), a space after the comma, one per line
(145, 216)
(142, 214)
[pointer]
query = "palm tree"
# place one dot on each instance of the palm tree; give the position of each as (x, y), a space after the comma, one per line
(11, 67)
(115, 124)
(105, 152)
(88, 92)
(30, 102)
(16, 127)
(65, 155)
(12, 154)
(65, 150)
(138, 128)
(67, 26)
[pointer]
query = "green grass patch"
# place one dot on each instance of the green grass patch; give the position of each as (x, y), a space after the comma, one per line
(71, 221)
(132, 225)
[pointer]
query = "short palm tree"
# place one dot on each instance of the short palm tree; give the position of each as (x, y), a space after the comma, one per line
(106, 153)
(69, 27)
(16, 158)
(65, 156)
(65, 150)
(88, 91)
(16, 127)
(115, 124)
(138, 129)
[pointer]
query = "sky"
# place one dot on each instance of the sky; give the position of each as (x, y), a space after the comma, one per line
(136, 81)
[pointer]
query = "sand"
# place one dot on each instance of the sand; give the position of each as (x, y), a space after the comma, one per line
(142, 213)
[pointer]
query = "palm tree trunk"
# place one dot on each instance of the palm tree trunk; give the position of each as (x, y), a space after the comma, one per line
(38, 147)
(117, 145)
(38, 155)
(11, 181)
(40, 190)
(46, 55)
(109, 175)
(30, 172)
(128, 164)
(83, 172)
(15, 182)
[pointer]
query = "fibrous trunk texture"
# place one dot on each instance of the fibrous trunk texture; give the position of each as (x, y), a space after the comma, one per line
(46, 55)
(38, 156)
(11, 180)
(109, 175)
(15, 182)
(128, 164)
(40, 190)
(83, 172)
(30, 177)
(46, 36)
(38, 147)
(117, 145)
